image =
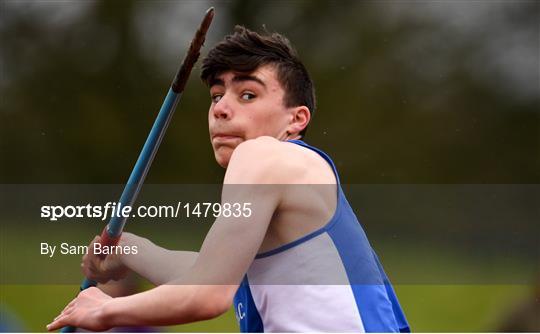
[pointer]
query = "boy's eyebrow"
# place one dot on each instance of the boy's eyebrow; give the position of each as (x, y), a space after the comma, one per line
(235, 79)
(247, 77)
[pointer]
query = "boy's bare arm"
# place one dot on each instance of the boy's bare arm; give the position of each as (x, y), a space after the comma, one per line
(155, 263)
(208, 287)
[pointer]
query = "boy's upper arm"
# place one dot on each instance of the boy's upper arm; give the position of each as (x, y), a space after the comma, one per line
(264, 160)
(232, 242)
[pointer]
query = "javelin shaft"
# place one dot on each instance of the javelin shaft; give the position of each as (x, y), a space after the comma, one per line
(113, 231)
(142, 166)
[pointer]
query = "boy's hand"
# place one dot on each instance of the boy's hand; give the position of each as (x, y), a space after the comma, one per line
(85, 311)
(102, 270)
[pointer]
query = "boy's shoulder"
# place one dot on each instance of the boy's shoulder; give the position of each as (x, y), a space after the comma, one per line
(279, 162)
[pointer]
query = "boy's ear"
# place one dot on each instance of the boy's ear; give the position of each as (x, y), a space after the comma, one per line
(300, 119)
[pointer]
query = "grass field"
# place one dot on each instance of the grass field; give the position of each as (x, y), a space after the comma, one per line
(429, 308)
(465, 300)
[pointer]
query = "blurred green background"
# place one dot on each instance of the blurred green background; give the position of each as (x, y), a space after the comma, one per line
(409, 92)
(440, 303)
(429, 308)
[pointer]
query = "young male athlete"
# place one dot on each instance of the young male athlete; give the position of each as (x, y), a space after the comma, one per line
(299, 263)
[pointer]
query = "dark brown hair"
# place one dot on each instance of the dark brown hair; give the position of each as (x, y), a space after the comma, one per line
(245, 50)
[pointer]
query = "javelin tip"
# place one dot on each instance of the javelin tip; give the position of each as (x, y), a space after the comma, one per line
(208, 17)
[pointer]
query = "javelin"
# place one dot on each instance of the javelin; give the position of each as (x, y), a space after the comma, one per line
(112, 232)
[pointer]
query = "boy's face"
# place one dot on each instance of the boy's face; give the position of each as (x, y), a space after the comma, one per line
(246, 106)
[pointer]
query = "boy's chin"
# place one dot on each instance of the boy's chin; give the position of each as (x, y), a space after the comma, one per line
(222, 159)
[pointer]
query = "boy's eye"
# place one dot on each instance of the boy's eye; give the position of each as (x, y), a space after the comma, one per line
(216, 98)
(247, 96)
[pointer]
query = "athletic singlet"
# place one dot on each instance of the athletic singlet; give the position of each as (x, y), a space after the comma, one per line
(327, 281)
